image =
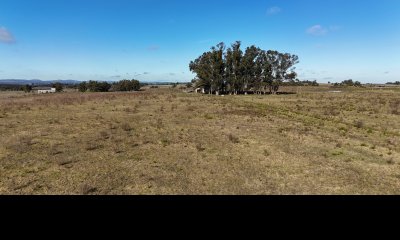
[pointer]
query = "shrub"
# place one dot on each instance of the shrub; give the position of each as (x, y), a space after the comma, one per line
(390, 162)
(200, 148)
(126, 85)
(104, 135)
(359, 124)
(82, 87)
(55, 150)
(94, 86)
(58, 86)
(267, 153)
(165, 142)
(126, 127)
(92, 145)
(233, 138)
(27, 88)
(86, 189)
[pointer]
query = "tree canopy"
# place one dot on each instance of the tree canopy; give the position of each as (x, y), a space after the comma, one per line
(121, 86)
(126, 85)
(394, 83)
(349, 83)
(27, 88)
(58, 86)
(230, 70)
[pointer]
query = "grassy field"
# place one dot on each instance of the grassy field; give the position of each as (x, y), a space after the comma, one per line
(164, 141)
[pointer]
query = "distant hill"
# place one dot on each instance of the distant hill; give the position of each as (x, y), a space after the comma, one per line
(161, 82)
(158, 83)
(36, 82)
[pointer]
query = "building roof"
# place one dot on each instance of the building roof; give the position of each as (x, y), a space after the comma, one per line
(42, 88)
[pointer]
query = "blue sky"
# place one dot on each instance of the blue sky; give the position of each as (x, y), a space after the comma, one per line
(153, 40)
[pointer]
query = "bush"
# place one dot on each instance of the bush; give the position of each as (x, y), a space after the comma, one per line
(94, 86)
(233, 138)
(126, 127)
(58, 86)
(27, 88)
(82, 87)
(126, 85)
(349, 83)
(359, 124)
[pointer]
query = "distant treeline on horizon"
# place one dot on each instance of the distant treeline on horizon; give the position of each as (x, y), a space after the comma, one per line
(68, 84)
(36, 82)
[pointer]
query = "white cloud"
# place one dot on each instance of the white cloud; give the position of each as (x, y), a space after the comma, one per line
(317, 30)
(273, 11)
(6, 36)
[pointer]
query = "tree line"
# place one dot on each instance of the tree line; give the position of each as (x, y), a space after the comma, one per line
(394, 83)
(304, 83)
(28, 88)
(121, 86)
(348, 83)
(230, 70)
(11, 87)
(91, 86)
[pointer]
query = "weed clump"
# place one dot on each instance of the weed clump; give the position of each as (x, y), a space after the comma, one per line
(200, 148)
(126, 127)
(92, 145)
(359, 124)
(86, 189)
(233, 138)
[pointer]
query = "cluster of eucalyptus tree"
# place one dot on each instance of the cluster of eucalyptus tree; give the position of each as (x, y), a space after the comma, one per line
(231, 71)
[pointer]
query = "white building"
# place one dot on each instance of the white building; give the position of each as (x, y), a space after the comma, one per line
(200, 90)
(46, 90)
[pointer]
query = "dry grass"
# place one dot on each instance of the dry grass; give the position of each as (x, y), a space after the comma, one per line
(163, 141)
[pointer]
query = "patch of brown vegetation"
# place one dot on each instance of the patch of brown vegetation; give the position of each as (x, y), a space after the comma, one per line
(163, 141)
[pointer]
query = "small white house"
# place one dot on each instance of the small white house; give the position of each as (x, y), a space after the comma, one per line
(200, 90)
(46, 90)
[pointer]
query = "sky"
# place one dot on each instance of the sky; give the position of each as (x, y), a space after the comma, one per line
(154, 40)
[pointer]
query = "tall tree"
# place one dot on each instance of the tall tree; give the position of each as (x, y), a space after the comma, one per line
(202, 67)
(272, 73)
(266, 71)
(233, 71)
(126, 85)
(94, 86)
(249, 68)
(284, 69)
(217, 68)
(27, 88)
(82, 87)
(229, 72)
(58, 86)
